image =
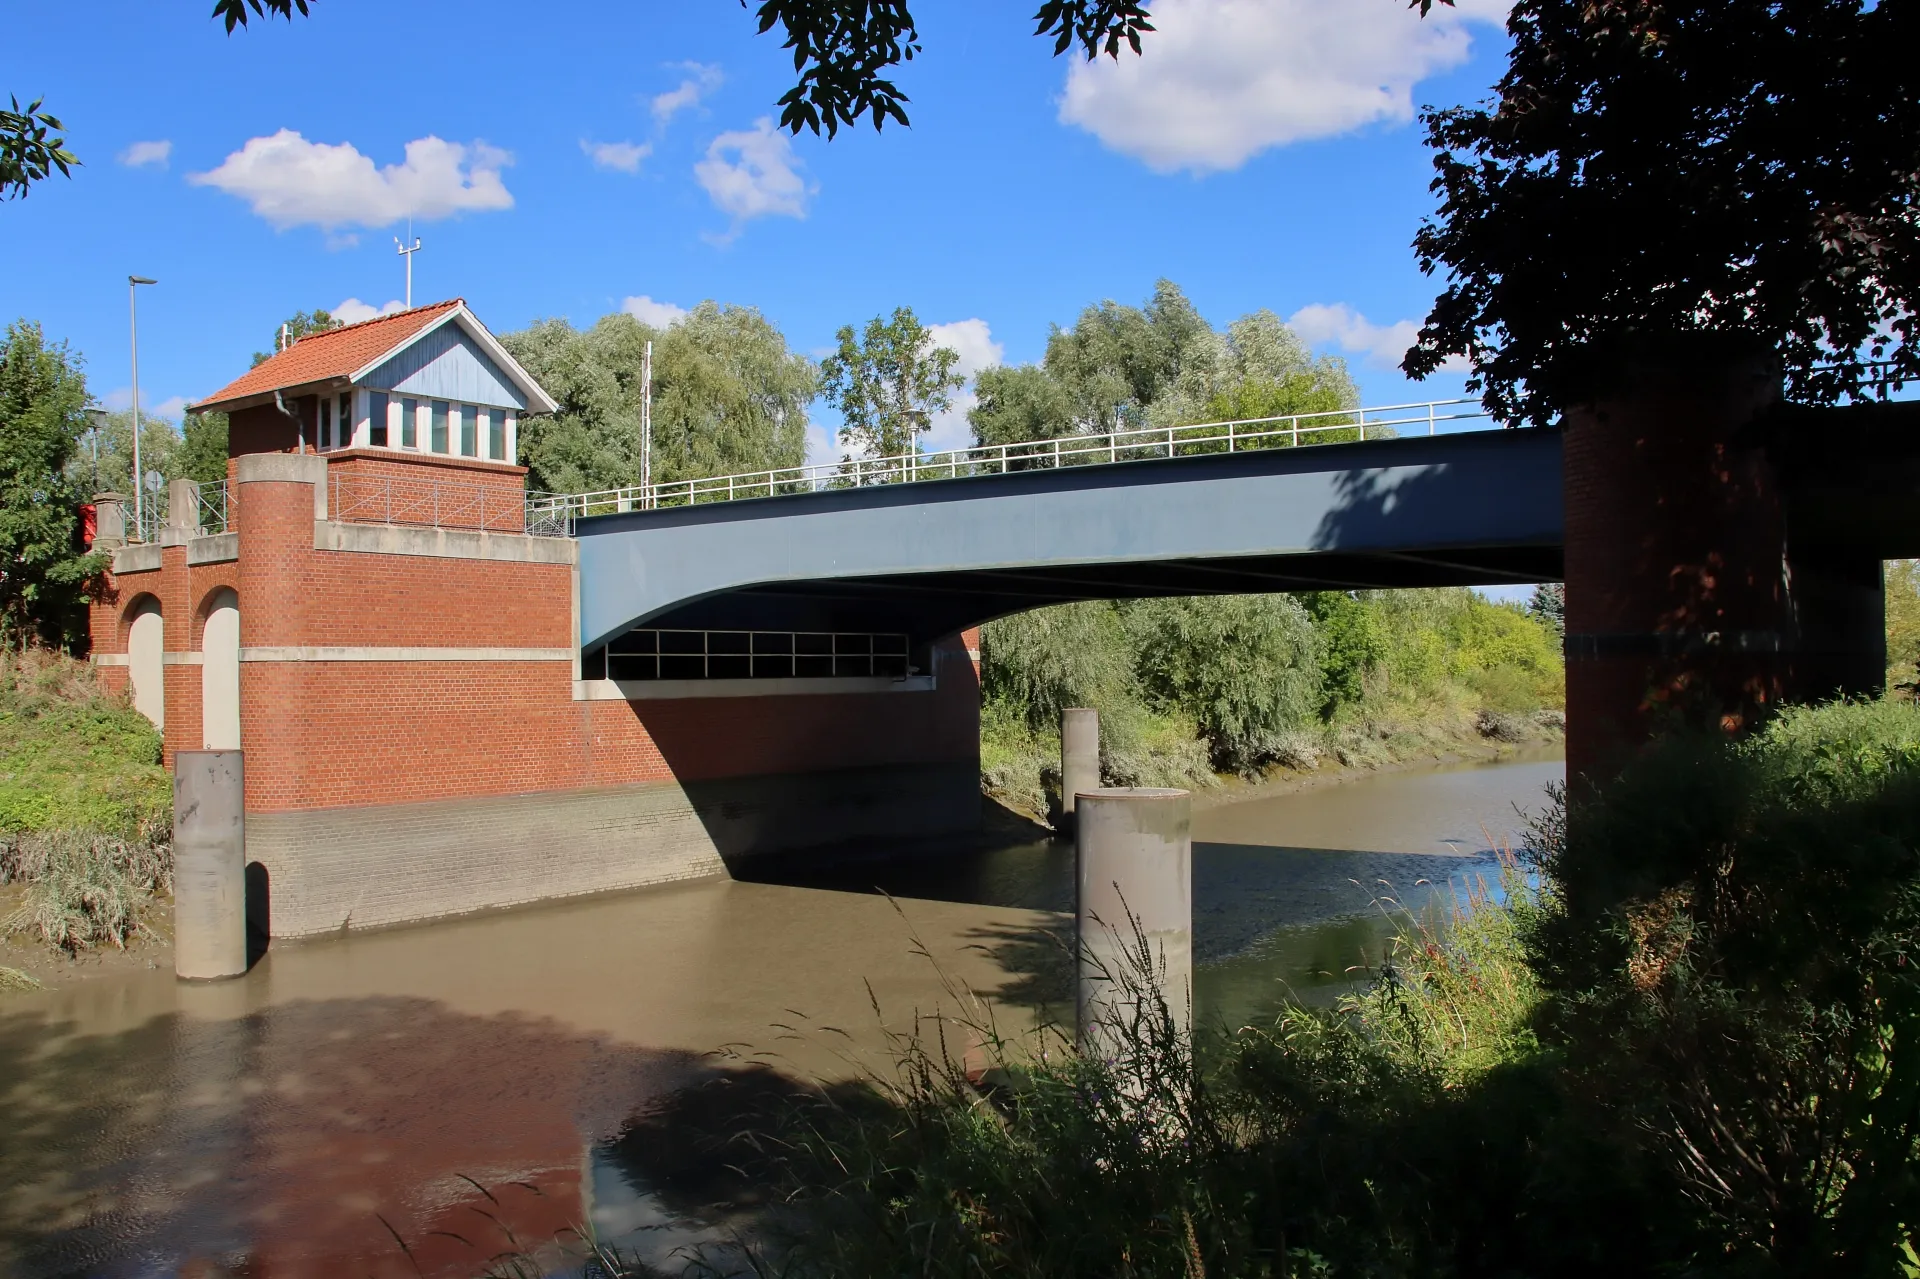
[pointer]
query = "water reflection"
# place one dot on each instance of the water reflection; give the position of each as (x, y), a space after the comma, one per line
(494, 1081)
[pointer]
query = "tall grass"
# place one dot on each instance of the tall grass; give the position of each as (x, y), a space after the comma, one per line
(83, 889)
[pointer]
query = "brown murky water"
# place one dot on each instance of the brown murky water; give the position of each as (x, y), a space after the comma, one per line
(514, 1076)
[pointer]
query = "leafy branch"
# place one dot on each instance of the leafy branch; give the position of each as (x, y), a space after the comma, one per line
(29, 151)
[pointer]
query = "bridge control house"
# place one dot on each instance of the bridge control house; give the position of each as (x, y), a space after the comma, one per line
(431, 723)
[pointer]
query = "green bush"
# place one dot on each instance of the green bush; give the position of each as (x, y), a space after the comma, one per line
(72, 756)
(1735, 970)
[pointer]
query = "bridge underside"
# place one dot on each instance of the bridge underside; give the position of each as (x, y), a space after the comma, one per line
(931, 558)
(929, 605)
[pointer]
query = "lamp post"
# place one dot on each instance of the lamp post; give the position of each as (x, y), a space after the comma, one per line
(133, 322)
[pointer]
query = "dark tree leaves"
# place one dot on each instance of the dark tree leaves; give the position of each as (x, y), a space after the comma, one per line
(1657, 167)
(234, 12)
(29, 149)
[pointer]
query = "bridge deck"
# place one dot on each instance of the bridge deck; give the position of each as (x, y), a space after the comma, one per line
(933, 557)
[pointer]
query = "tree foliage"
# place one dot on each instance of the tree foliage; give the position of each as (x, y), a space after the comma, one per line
(296, 326)
(1653, 167)
(43, 570)
(888, 382)
(1159, 364)
(30, 151)
(728, 397)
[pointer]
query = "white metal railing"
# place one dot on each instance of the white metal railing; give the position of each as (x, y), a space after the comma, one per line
(217, 503)
(212, 512)
(552, 514)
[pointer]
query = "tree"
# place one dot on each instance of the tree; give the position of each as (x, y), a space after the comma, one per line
(202, 456)
(1018, 403)
(1660, 167)
(1548, 606)
(888, 383)
(29, 152)
(296, 326)
(43, 571)
(159, 454)
(728, 397)
(1162, 364)
(1117, 361)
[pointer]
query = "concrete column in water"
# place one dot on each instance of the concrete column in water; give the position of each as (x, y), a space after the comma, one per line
(209, 864)
(1134, 877)
(1079, 754)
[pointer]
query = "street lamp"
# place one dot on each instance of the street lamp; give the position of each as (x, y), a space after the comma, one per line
(133, 320)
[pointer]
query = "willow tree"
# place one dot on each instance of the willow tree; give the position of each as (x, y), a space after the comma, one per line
(728, 397)
(1158, 364)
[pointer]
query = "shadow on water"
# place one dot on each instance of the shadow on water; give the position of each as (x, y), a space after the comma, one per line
(1271, 924)
(286, 1141)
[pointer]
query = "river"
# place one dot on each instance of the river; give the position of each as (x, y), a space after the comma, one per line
(515, 1075)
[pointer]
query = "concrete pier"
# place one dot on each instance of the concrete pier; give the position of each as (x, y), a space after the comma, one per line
(1079, 755)
(209, 865)
(1134, 879)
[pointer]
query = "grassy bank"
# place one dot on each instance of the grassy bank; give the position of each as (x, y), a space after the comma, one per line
(1192, 689)
(85, 807)
(1688, 1047)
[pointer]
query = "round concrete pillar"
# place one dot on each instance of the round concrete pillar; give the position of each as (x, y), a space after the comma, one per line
(209, 865)
(1079, 755)
(1134, 877)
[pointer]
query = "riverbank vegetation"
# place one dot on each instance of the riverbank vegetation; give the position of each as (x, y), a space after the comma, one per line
(1190, 688)
(1680, 1040)
(85, 807)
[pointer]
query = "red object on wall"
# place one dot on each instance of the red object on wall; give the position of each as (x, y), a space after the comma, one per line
(88, 517)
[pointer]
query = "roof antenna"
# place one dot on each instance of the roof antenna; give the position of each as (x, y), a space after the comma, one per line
(286, 337)
(408, 253)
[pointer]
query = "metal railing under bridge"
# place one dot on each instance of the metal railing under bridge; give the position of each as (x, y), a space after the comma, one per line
(552, 514)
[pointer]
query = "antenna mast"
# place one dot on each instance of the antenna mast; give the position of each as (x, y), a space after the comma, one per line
(646, 427)
(408, 253)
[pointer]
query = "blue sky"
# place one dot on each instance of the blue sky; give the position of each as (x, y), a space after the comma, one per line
(569, 160)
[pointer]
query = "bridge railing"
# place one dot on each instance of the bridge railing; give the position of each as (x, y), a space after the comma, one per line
(553, 513)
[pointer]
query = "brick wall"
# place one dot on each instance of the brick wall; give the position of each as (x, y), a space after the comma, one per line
(415, 746)
(1677, 599)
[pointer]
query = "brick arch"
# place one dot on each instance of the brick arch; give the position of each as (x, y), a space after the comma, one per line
(143, 626)
(214, 598)
(143, 602)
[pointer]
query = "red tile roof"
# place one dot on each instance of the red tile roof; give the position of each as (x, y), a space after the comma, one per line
(336, 353)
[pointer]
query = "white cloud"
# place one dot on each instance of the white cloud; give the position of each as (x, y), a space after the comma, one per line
(761, 179)
(353, 310)
(1382, 345)
(290, 181)
(120, 399)
(624, 157)
(142, 154)
(701, 80)
(1221, 80)
(972, 340)
(651, 313)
